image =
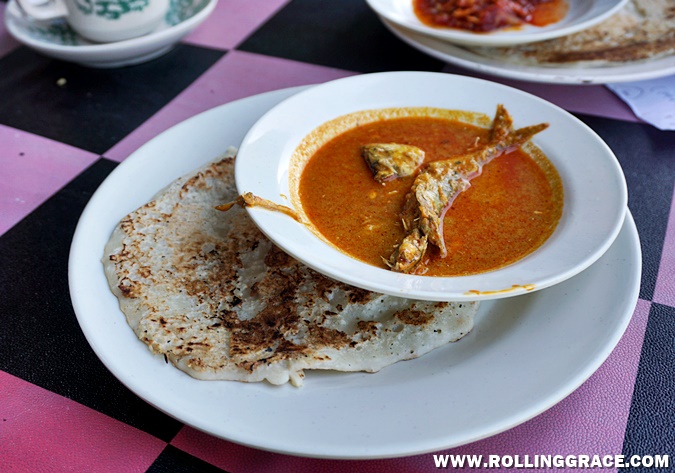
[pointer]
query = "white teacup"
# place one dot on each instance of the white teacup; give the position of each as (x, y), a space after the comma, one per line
(102, 21)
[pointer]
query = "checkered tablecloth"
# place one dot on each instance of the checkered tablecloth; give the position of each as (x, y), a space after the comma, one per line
(64, 128)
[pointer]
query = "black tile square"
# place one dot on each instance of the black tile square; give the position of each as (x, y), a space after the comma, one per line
(92, 109)
(651, 421)
(647, 157)
(344, 34)
(41, 340)
(174, 460)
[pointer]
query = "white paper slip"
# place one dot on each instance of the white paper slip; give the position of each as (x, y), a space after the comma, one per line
(651, 100)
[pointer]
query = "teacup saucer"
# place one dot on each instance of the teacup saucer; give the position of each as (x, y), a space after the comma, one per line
(58, 40)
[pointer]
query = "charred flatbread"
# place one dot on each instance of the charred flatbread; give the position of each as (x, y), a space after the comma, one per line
(211, 293)
(642, 30)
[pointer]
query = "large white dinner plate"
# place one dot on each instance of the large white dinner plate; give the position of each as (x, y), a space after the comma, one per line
(594, 185)
(524, 355)
(581, 14)
(506, 67)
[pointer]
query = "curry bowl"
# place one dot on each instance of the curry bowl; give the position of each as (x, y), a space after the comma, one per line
(273, 156)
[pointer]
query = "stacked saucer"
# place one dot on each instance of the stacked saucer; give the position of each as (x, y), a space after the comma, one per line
(58, 40)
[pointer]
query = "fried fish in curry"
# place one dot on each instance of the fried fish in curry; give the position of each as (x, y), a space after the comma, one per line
(440, 182)
(392, 160)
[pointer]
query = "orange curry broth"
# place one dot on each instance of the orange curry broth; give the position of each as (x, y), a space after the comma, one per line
(508, 211)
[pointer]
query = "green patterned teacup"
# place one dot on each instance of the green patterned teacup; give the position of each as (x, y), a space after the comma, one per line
(101, 20)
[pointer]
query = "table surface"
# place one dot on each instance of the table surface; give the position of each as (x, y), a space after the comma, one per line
(64, 128)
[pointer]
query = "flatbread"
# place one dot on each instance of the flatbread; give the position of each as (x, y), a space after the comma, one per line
(642, 30)
(211, 293)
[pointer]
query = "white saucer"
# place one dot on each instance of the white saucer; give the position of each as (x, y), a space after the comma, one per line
(58, 40)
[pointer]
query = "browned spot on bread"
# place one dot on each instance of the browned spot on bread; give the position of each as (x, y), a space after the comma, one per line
(414, 317)
(327, 337)
(277, 258)
(359, 296)
(128, 288)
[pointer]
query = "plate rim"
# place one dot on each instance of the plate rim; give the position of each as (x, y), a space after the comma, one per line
(76, 285)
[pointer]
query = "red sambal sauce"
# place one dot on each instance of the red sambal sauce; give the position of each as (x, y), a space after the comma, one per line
(484, 16)
(508, 212)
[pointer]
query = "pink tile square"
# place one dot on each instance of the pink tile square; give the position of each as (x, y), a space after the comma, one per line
(42, 431)
(594, 100)
(232, 21)
(33, 168)
(236, 458)
(664, 292)
(236, 75)
(592, 420)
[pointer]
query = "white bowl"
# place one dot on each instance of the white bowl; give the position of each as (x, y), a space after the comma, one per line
(594, 185)
(582, 14)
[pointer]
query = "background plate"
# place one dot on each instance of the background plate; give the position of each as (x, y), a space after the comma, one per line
(583, 74)
(532, 350)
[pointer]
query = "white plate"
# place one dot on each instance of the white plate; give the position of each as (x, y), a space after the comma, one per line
(58, 40)
(594, 185)
(582, 14)
(532, 350)
(505, 67)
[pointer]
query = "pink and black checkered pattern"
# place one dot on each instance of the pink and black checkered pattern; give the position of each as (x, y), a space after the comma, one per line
(61, 410)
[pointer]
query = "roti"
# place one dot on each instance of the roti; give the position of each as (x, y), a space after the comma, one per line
(642, 30)
(208, 291)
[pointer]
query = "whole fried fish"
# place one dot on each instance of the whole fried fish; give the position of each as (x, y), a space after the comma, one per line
(440, 182)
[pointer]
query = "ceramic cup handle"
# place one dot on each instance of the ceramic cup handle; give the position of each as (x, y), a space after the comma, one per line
(43, 10)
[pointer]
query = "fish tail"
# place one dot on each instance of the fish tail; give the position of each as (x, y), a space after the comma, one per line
(522, 135)
(502, 126)
(504, 136)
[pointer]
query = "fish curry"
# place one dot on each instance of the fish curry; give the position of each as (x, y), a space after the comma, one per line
(507, 212)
